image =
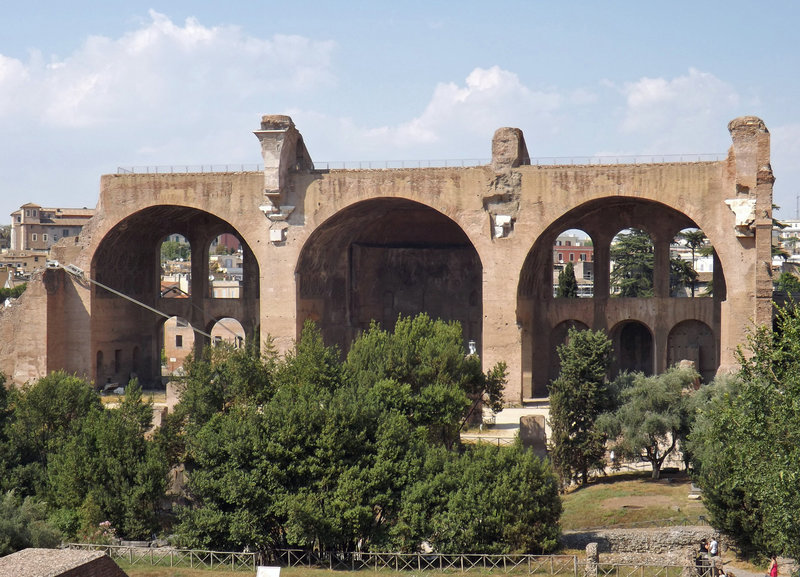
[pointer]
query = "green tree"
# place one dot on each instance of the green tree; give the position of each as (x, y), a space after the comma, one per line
(221, 377)
(632, 255)
(577, 397)
(45, 413)
(682, 274)
(109, 461)
(430, 357)
(567, 283)
(23, 524)
(174, 250)
(651, 418)
(487, 500)
(696, 240)
(341, 455)
(746, 443)
(788, 283)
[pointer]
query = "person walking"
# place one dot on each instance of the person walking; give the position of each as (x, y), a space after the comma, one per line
(773, 566)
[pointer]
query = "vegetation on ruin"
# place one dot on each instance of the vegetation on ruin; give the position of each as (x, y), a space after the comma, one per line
(13, 293)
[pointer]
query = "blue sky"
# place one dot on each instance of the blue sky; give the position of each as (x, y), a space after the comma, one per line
(86, 87)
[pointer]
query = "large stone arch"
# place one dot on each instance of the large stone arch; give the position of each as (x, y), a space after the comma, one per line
(380, 258)
(602, 218)
(127, 260)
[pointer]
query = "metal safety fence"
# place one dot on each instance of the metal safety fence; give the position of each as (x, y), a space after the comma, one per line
(552, 565)
(170, 557)
(541, 565)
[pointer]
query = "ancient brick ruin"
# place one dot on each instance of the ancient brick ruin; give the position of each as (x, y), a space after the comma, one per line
(343, 247)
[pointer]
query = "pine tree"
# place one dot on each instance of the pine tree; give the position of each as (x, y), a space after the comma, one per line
(567, 283)
(577, 397)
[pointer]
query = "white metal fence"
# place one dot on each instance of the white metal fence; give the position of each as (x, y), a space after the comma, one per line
(541, 565)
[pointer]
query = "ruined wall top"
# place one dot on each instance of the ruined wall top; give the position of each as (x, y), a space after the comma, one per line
(747, 124)
(276, 122)
(509, 149)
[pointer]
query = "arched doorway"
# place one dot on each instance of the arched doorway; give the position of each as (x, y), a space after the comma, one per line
(633, 348)
(694, 341)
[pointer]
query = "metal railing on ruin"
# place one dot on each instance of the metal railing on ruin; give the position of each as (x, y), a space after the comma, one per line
(434, 163)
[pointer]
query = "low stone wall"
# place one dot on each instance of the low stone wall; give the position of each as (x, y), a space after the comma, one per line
(667, 545)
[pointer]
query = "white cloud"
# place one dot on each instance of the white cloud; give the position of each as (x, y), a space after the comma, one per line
(673, 114)
(785, 150)
(459, 120)
(159, 70)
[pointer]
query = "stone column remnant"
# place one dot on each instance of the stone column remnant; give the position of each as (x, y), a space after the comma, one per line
(283, 150)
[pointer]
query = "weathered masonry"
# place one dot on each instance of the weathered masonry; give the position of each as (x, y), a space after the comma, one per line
(474, 244)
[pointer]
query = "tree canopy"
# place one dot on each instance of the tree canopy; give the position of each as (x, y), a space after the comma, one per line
(341, 454)
(567, 283)
(746, 442)
(633, 260)
(651, 418)
(304, 450)
(577, 397)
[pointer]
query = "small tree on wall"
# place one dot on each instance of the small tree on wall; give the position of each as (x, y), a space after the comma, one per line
(567, 283)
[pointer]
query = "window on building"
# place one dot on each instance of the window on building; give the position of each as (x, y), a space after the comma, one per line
(571, 257)
(582, 257)
(178, 341)
(65, 232)
(27, 212)
(561, 257)
(36, 259)
(44, 237)
(34, 237)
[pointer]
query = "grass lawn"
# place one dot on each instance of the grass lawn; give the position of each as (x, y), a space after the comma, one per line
(630, 498)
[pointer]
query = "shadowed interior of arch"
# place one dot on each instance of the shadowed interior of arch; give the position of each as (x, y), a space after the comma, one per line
(386, 257)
